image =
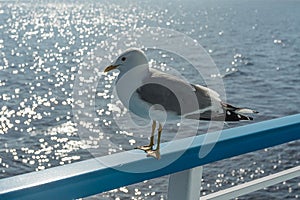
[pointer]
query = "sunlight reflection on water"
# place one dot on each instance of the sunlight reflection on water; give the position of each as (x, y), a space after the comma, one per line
(43, 46)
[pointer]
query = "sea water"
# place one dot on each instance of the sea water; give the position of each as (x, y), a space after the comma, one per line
(46, 45)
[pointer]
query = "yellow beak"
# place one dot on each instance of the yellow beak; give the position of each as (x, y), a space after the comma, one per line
(110, 67)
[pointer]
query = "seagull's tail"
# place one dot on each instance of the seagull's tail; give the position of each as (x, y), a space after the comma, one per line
(236, 114)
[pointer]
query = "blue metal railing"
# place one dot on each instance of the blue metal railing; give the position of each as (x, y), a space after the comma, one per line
(93, 176)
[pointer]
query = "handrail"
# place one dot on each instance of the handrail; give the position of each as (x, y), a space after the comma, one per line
(92, 176)
(251, 186)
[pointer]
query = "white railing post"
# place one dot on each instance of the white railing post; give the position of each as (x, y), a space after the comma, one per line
(185, 185)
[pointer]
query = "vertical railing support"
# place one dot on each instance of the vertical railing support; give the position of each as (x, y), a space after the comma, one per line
(185, 185)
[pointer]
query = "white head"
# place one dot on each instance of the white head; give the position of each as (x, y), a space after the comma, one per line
(129, 59)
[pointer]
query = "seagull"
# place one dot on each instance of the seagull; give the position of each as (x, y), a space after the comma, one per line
(158, 96)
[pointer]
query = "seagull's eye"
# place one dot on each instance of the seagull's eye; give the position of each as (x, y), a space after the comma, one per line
(123, 59)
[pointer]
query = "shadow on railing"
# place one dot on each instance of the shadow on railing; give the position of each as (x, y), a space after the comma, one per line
(93, 176)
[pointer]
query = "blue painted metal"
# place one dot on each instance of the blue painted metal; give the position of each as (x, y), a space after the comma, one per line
(92, 176)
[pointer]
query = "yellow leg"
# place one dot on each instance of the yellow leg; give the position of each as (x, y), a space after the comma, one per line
(150, 146)
(152, 133)
(158, 137)
(156, 153)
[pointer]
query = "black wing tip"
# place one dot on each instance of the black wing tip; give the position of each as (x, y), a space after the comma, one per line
(250, 118)
(233, 116)
(230, 116)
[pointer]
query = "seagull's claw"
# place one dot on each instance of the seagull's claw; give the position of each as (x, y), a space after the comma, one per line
(153, 153)
(149, 150)
(145, 148)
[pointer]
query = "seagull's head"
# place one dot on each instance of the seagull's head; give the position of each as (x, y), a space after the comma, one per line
(129, 59)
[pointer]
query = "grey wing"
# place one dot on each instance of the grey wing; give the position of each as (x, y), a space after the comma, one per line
(210, 105)
(158, 94)
(176, 95)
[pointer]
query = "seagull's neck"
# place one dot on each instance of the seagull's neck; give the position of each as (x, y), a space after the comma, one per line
(128, 81)
(136, 73)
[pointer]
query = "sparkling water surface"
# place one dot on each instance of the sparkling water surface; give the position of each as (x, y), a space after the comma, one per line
(45, 47)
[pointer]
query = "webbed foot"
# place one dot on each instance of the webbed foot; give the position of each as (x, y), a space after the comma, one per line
(153, 153)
